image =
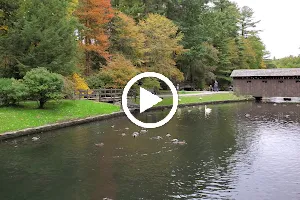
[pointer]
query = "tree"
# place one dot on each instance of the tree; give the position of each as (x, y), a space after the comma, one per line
(120, 70)
(94, 15)
(12, 91)
(247, 23)
(40, 38)
(43, 85)
(162, 45)
(139, 9)
(127, 38)
(8, 10)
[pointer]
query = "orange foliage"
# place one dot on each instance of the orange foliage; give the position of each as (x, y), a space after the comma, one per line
(120, 70)
(95, 15)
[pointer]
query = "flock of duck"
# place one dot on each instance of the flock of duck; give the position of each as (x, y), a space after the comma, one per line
(174, 141)
(143, 131)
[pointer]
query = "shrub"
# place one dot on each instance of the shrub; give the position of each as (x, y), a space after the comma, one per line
(80, 83)
(99, 81)
(69, 88)
(5, 88)
(44, 85)
(12, 91)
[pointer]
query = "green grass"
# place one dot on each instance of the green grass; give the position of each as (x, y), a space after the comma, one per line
(204, 99)
(27, 115)
(179, 92)
(196, 99)
(189, 92)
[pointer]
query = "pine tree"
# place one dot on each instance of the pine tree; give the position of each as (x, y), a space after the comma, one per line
(43, 36)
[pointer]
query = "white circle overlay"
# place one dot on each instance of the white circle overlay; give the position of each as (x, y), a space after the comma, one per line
(150, 75)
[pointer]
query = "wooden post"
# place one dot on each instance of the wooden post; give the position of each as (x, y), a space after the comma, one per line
(111, 94)
(99, 93)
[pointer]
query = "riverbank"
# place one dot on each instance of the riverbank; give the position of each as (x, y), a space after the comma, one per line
(26, 115)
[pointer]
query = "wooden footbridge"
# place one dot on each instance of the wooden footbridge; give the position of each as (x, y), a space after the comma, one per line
(110, 95)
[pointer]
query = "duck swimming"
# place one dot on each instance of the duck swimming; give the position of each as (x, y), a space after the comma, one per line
(35, 138)
(135, 134)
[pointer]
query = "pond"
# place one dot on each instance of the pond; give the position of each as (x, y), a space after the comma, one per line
(239, 151)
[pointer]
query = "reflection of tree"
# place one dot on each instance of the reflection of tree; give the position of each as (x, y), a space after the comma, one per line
(206, 164)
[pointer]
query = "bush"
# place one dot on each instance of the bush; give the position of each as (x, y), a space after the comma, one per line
(69, 89)
(99, 81)
(12, 91)
(80, 83)
(44, 85)
(151, 84)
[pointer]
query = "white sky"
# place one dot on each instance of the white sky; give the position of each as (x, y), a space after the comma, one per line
(280, 24)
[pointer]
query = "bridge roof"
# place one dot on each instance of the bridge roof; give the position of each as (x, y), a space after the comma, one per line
(266, 72)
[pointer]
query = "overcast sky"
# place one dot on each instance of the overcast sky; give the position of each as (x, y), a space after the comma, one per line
(280, 24)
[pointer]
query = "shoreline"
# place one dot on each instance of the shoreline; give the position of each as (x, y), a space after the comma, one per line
(75, 122)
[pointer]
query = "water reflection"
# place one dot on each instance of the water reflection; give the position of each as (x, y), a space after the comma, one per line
(239, 151)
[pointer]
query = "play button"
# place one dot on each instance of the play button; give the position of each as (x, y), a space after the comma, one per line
(147, 100)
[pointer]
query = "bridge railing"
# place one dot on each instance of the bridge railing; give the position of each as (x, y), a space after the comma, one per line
(105, 95)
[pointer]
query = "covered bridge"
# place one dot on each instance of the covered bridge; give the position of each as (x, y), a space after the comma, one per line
(283, 82)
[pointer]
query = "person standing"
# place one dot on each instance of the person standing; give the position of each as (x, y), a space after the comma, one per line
(216, 86)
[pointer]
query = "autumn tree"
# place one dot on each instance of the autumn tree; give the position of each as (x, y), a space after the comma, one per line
(94, 15)
(162, 45)
(120, 70)
(127, 38)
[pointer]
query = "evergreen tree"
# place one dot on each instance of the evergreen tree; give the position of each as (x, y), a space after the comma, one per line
(43, 36)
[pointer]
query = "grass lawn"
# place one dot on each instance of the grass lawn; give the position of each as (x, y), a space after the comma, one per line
(179, 92)
(27, 115)
(204, 98)
(189, 92)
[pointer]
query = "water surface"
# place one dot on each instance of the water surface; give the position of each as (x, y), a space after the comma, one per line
(239, 151)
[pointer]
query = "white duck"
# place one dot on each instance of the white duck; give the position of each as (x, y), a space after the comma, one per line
(35, 138)
(207, 110)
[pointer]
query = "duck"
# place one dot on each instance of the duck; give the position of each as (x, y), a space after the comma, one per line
(174, 140)
(168, 135)
(126, 128)
(135, 134)
(144, 131)
(99, 145)
(35, 138)
(157, 138)
(181, 142)
(123, 134)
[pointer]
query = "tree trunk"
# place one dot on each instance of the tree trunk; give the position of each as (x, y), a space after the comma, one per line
(42, 104)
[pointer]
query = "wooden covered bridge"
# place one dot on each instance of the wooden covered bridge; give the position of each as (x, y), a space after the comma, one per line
(259, 83)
